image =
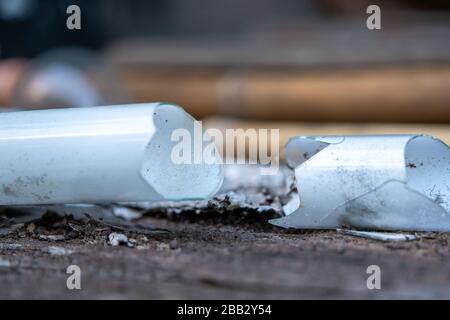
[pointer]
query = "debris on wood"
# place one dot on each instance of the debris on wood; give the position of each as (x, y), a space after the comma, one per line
(13, 219)
(261, 206)
(381, 236)
(56, 237)
(5, 231)
(386, 182)
(125, 213)
(125, 226)
(259, 194)
(71, 219)
(249, 177)
(11, 246)
(5, 263)
(117, 239)
(238, 197)
(59, 251)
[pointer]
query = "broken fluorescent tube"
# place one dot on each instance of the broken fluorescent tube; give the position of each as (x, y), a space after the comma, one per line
(98, 155)
(386, 182)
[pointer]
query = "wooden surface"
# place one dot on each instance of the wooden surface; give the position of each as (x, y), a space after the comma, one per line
(206, 259)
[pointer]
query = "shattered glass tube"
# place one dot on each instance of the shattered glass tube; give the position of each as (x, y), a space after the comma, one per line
(99, 155)
(379, 182)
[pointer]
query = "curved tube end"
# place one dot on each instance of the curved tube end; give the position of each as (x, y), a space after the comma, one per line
(177, 163)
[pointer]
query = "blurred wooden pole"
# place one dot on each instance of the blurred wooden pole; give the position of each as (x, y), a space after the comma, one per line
(383, 94)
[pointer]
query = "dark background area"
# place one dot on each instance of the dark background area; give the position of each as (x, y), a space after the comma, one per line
(30, 27)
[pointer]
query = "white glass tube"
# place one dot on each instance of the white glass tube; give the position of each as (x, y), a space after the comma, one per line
(98, 155)
(385, 182)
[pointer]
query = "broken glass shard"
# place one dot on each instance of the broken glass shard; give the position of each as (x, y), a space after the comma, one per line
(385, 182)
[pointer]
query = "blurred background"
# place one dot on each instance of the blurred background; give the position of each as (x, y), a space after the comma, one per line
(302, 66)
